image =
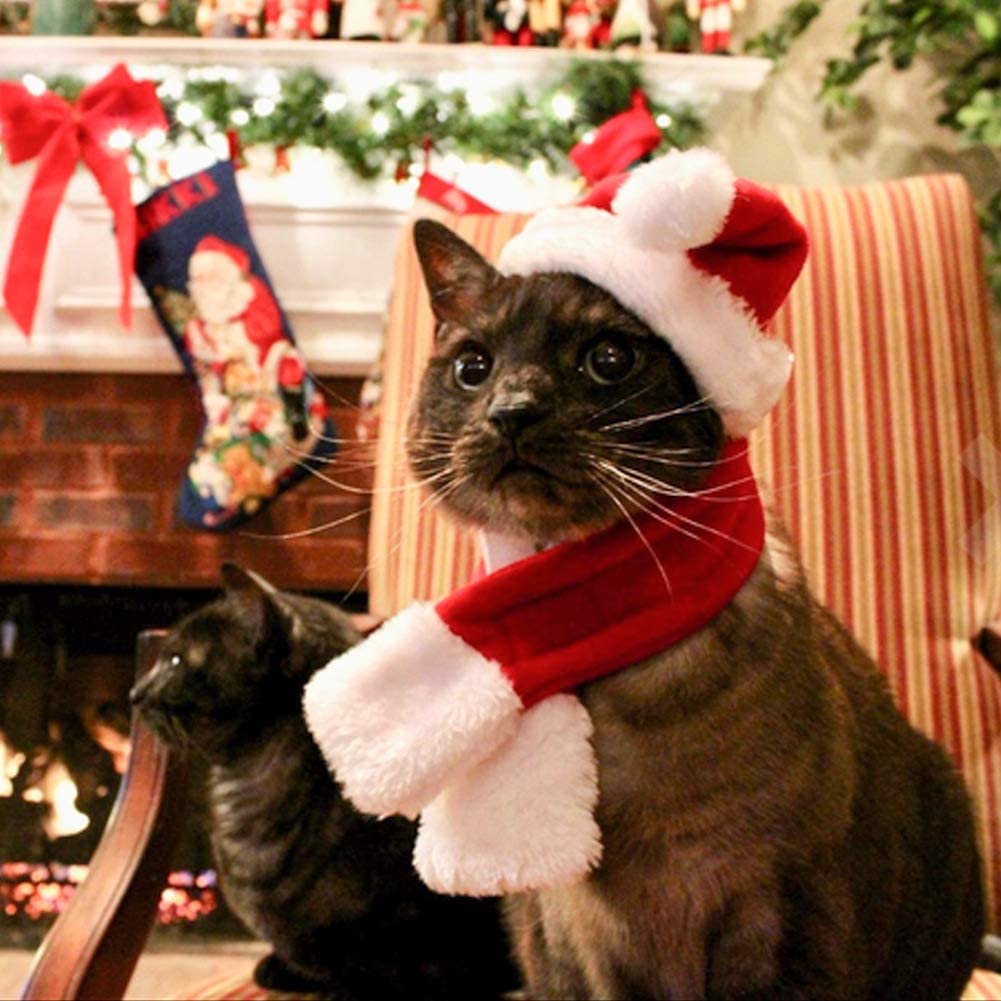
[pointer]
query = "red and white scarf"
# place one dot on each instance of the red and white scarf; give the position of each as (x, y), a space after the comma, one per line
(463, 711)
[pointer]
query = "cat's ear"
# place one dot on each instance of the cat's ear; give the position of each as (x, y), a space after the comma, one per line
(455, 273)
(237, 579)
(260, 599)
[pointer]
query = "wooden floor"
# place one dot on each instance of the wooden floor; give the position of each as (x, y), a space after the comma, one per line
(162, 973)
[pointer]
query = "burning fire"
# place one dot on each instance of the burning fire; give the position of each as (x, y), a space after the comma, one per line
(58, 789)
(188, 896)
(35, 890)
(55, 786)
(39, 891)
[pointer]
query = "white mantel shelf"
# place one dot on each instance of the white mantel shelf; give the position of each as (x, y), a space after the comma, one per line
(331, 264)
(664, 70)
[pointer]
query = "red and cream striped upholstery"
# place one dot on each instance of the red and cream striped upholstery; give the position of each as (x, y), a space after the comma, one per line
(885, 461)
(879, 457)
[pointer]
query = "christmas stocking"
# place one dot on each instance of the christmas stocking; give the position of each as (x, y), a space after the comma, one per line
(265, 421)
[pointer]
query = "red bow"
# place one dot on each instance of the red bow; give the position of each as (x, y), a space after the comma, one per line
(60, 134)
(618, 144)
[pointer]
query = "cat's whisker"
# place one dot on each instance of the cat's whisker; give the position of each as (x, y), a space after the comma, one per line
(353, 465)
(706, 493)
(347, 487)
(652, 448)
(687, 408)
(639, 500)
(663, 457)
(432, 499)
(632, 521)
(331, 439)
(619, 403)
(694, 523)
(315, 530)
(329, 391)
(346, 442)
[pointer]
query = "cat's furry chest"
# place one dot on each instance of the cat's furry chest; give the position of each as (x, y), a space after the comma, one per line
(712, 732)
(708, 754)
(762, 806)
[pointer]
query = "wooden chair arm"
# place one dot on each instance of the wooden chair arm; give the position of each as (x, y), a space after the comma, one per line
(92, 949)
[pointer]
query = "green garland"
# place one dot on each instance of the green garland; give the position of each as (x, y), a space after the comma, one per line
(963, 40)
(520, 128)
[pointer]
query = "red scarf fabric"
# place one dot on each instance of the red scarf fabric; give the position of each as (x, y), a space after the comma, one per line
(587, 608)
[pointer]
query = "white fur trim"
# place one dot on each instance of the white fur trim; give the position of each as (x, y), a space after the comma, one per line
(677, 201)
(400, 713)
(715, 335)
(522, 819)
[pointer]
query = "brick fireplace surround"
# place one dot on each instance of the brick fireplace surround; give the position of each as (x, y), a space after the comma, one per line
(89, 466)
(89, 538)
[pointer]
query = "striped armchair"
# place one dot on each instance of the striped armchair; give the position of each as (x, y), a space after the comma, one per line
(883, 458)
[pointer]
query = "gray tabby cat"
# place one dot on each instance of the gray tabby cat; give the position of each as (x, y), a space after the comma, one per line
(772, 826)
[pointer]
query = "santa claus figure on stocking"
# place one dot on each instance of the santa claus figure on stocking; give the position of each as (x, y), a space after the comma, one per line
(266, 424)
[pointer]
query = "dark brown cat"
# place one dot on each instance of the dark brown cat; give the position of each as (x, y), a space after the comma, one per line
(772, 826)
(331, 890)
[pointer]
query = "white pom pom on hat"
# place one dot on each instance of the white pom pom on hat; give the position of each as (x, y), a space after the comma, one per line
(676, 202)
(702, 257)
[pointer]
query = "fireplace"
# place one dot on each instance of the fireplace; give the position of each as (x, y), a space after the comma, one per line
(91, 553)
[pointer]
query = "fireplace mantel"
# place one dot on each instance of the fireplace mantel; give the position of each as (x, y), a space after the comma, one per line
(331, 267)
(330, 261)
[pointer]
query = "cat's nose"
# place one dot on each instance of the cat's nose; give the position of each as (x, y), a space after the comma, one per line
(514, 412)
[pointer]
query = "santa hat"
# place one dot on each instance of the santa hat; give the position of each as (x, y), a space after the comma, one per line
(213, 245)
(702, 257)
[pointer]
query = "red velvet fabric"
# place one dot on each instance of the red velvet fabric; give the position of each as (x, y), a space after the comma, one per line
(759, 252)
(618, 144)
(587, 608)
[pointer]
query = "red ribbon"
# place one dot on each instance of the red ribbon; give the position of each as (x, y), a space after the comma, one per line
(60, 135)
(618, 144)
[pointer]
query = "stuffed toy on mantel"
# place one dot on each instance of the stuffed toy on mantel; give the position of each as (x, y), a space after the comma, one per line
(464, 711)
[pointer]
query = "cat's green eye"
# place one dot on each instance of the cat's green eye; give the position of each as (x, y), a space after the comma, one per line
(609, 361)
(471, 368)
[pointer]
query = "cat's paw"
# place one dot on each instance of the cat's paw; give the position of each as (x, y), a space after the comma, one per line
(274, 974)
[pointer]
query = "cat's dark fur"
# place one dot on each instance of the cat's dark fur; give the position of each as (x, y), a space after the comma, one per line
(331, 890)
(772, 826)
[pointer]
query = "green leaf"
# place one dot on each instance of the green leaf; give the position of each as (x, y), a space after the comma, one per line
(987, 27)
